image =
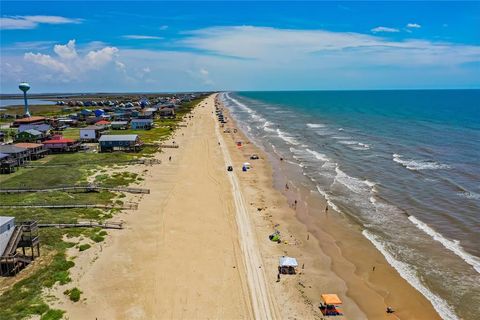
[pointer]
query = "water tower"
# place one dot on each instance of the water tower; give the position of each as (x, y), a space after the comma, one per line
(25, 87)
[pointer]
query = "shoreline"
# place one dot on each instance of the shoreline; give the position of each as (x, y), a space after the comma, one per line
(337, 237)
(182, 254)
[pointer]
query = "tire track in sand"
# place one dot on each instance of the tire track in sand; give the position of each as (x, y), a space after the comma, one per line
(263, 302)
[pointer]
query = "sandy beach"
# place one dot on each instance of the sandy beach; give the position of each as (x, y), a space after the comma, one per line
(198, 247)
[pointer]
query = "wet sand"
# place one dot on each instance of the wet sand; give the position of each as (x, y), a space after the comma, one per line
(337, 258)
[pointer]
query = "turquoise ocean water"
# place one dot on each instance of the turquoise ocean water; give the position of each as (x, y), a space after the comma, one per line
(405, 165)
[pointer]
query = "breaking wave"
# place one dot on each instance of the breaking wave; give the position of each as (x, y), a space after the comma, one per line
(452, 245)
(416, 165)
(409, 274)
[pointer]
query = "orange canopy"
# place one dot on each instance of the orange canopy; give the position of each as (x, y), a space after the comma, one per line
(331, 298)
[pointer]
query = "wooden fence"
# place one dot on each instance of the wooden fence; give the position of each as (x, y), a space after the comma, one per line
(127, 206)
(85, 224)
(168, 145)
(125, 162)
(81, 188)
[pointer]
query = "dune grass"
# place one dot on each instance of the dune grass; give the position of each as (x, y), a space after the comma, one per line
(24, 298)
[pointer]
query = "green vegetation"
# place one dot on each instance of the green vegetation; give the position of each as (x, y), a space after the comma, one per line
(116, 179)
(84, 247)
(53, 314)
(73, 294)
(24, 298)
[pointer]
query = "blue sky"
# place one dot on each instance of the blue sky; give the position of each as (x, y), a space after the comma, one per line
(118, 46)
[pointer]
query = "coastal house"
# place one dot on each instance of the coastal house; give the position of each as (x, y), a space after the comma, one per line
(7, 225)
(59, 144)
(167, 113)
(7, 163)
(119, 125)
(141, 124)
(126, 142)
(2, 136)
(91, 133)
(35, 150)
(28, 120)
(30, 135)
(104, 123)
(17, 154)
(43, 128)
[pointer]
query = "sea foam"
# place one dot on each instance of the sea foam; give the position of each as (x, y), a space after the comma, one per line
(452, 245)
(315, 125)
(286, 137)
(409, 274)
(416, 165)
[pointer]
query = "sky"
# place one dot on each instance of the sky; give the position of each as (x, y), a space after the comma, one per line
(156, 46)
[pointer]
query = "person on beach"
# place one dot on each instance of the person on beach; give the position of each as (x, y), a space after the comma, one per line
(170, 158)
(326, 209)
(278, 277)
(286, 186)
(295, 204)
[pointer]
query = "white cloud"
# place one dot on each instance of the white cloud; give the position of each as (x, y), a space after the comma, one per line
(276, 46)
(47, 61)
(414, 25)
(384, 29)
(247, 58)
(31, 22)
(69, 64)
(67, 51)
(99, 58)
(141, 37)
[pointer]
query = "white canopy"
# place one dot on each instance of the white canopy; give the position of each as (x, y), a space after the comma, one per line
(288, 262)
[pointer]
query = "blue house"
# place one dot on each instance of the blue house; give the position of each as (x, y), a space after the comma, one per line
(141, 124)
(127, 142)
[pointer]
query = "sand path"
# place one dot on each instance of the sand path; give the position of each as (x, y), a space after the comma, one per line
(263, 302)
(180, 256)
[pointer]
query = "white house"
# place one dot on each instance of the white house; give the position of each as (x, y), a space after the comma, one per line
(91, 133)
(7, 225)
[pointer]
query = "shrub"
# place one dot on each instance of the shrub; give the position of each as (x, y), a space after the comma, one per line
(84, 247)
(74, 294)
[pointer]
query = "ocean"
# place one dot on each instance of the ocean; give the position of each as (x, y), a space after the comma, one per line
(403, 164)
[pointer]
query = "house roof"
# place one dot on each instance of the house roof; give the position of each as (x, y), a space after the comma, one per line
(142, 120)
(118, 137)
(58, 141)
(40, 127)
(9, 149)
(28, 145)
(33, 132)
(120, 123)
(4, 219)
(3, 155)
(30, 119)
(102, 122)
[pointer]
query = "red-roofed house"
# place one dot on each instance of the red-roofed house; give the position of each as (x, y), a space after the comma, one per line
(60, 144)
(102, 123)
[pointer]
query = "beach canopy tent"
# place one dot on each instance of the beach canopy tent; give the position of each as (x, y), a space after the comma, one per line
(287, 265)
(331, 298)
(328, 307)
(247, 165)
